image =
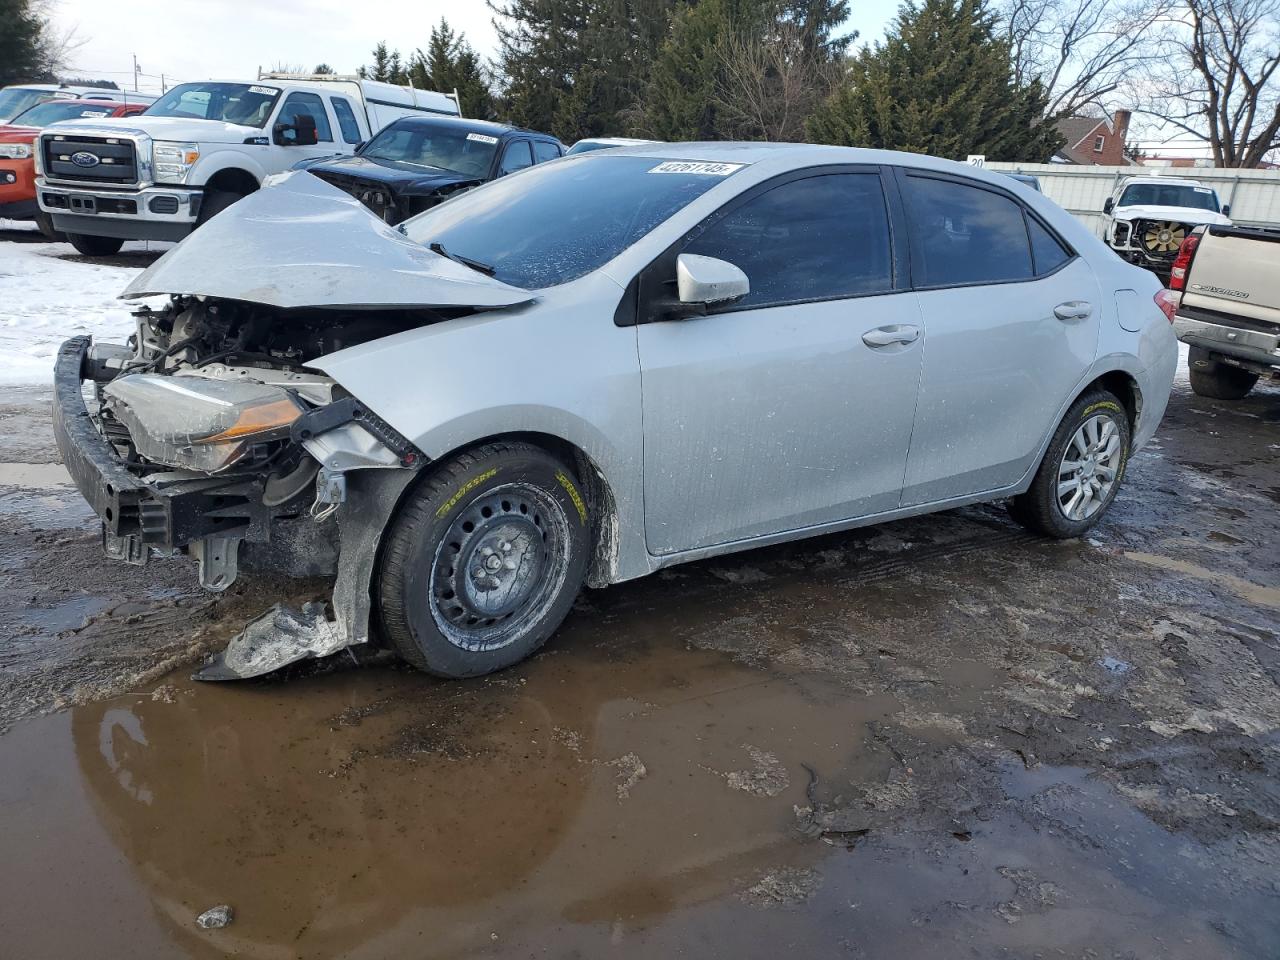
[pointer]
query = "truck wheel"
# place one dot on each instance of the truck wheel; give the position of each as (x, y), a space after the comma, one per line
(47, 229)
(484, 560)
(92, 246)
(1221, 381)
(1081, 471)
(214, 203)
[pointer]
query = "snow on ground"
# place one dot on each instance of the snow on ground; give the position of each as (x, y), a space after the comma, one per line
(44, 299)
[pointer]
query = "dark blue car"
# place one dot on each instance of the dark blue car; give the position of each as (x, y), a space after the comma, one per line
(415, 162)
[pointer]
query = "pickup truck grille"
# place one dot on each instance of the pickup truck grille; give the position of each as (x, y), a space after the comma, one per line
(102, 160)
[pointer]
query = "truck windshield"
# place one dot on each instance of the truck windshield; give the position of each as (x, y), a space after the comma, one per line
(1169, 195)
(445, 147)
(13, 100)
(243, 103)
(555, 222)
(43, 114)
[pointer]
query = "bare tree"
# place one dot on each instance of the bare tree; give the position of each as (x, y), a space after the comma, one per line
(1084, 52)
(1219, 83)
(769, 85)
(58, 42)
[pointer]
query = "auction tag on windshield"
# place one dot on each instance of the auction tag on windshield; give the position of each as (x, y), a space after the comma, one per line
(481, 138)
(267, 91)
(697, 166)
(1202, 190)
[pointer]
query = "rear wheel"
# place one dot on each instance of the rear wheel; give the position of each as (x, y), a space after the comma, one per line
(1081, 471)
(92, 246)
(484, 560)
(1221, 381)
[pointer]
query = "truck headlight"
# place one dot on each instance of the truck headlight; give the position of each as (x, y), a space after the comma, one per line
(199, 424)
(173, 161)
(15, 151)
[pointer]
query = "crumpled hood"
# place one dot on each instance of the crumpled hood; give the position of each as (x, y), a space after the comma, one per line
(404, 178)
(1176, 214)
(170, 128)
(301, 242)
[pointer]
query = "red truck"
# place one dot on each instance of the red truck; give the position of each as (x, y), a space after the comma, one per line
(17, 168)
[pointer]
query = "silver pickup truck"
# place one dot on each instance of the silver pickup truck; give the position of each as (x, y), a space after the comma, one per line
(1228, 312)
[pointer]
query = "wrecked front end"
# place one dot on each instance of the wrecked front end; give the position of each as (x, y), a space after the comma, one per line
(210, 435)
(237, 467)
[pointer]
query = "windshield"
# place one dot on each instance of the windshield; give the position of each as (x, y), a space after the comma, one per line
(555, 222)
(246, 104)
(442, 146)
(16, 99)
(1169, 195)
(43, 114)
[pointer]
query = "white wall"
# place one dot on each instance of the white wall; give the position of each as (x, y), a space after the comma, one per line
(1254, 195)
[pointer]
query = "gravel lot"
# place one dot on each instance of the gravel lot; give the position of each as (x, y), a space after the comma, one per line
(940, 737)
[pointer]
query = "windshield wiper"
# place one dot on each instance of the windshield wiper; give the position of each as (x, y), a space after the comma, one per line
(476, 265)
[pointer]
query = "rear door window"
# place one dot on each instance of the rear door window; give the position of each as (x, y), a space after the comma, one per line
(516, 157)
(965, 234)
(819, 238)
(346, 120)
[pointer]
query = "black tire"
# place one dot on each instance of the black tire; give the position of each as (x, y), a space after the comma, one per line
(1221, 381)
(92, 246)
(432, 583)
(1040, 508)
(47, 229)
(214, 203)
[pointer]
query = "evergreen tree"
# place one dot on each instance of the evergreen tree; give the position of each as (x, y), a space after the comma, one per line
(21, 43)
(719, 52)
(450, 63)
(323, 68)
(941, 83)
(576, 67)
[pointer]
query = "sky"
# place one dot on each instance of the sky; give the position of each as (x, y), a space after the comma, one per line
(200, 39)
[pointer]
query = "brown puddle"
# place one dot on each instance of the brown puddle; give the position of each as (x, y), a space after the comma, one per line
(380, 805)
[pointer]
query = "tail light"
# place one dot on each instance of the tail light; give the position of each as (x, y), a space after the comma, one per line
(1167, 301)
(1182, 262)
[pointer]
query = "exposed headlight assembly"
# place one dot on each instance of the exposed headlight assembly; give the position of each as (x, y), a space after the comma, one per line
(173, 161)
(15, 151)
(199, 424)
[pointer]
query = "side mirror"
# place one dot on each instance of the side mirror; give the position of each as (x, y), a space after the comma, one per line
(1226, 209)
(1108, 205)
(706, 280)
(300, 133)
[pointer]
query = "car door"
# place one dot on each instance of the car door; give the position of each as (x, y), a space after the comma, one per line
(516, 156)
(296, 104)
(791, 407)
(1011, 320)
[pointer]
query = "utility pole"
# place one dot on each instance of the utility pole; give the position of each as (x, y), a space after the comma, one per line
(162, 86)
(135, 73)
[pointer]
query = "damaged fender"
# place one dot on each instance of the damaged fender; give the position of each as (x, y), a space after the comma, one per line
(282, 635)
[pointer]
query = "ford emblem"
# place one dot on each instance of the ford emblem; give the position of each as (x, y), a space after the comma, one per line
(85, 159)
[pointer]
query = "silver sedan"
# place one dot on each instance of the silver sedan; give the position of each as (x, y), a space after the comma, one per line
(600, 367)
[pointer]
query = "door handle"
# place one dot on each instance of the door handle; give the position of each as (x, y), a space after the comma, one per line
(1073, 310)
(894, 333)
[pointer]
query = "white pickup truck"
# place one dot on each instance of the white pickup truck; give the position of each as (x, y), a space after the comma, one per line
(201, 147)
(1146, 219)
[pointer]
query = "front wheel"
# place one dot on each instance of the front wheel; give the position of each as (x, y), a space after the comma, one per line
(92, 246)
(1220, 381)
(214, 202)
(484, 560)
(1081, 471)
(47, 229)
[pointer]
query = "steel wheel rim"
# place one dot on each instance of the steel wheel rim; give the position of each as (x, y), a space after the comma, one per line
(499, 567)
(1090, 467)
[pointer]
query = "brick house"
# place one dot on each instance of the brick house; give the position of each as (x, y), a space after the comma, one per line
(1094, 141)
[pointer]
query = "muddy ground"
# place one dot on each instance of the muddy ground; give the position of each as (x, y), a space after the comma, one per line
(939, 738)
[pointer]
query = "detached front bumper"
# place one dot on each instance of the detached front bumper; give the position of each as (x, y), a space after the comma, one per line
(135, 514)
(150, 213)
